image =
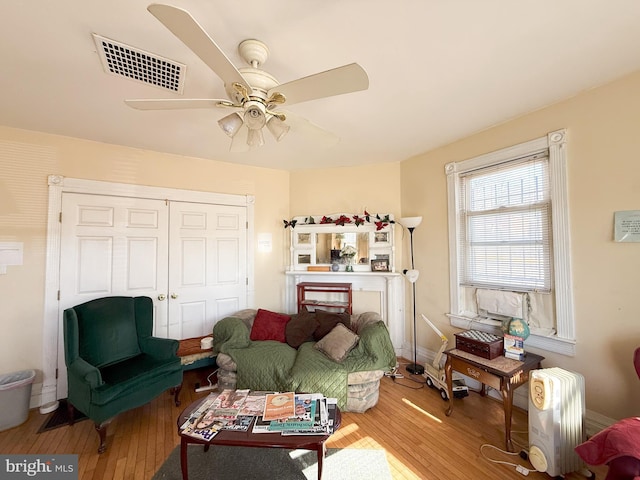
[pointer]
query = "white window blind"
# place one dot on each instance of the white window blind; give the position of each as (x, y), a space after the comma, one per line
(505, 225)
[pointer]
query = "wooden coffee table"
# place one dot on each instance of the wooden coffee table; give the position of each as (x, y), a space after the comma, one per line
(249, 439)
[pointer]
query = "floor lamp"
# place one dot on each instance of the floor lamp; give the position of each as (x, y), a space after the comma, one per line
(410, 223)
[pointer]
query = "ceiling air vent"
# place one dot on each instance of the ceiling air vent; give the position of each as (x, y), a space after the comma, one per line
(135, 64)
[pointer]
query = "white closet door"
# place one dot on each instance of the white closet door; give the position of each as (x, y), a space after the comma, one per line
(207, 266)
(111, 246)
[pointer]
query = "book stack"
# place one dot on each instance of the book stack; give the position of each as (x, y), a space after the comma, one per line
(286, 413)
(514, 347)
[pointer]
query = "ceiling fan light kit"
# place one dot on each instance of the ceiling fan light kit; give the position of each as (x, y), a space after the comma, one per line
(277, 128)
(255, 138)
(254, 93)
(230, 124)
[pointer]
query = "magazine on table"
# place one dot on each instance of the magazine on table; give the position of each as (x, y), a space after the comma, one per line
(324, 420)
(317, 427)
(204, 406)
(305, 413)
(254, 404)
(279, 406)
(240, 424)
(228, 404)
(205, 427)
(261, 426)
(217, 411)
(332, 408)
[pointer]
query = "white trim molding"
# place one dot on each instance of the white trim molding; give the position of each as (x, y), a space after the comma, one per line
(51, 315)
(555, 142)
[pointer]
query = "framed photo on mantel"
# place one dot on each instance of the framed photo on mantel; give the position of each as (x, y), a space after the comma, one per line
(380, 265)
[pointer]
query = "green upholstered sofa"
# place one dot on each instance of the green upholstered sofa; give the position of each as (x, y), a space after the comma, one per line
(276, 365)
(113, 362)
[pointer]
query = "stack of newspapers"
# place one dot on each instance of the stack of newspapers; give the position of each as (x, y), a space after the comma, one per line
(286, 413)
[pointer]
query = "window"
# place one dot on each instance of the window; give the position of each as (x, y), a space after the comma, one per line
(508, 231)
(505, 225)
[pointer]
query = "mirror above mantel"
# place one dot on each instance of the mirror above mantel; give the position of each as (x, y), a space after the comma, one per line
(341, 242)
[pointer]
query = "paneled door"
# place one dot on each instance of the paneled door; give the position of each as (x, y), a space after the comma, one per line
(111, 246)
(207, 267)
(190, 258)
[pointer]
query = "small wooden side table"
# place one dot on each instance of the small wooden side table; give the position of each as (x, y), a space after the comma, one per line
(501, 373)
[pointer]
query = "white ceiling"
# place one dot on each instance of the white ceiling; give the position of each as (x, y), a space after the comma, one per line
(439, 70)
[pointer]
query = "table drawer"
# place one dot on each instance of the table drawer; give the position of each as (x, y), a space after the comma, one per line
(476, 373)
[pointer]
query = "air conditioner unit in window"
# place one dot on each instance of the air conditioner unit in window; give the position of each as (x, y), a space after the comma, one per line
(502, 305)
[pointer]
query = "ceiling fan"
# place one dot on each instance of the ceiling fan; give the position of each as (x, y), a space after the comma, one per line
(253, 93)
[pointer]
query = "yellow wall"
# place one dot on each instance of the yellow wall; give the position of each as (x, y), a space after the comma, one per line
(375, 188)
(604, 177)
(346, 190)
(27, 158)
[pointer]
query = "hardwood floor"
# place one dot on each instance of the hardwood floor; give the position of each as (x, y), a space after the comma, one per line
(408, 422)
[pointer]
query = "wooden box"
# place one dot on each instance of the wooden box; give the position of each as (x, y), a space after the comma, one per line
(318, 268)
(482, 344)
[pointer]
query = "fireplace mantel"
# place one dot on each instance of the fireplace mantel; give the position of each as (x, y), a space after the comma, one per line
(390, 286)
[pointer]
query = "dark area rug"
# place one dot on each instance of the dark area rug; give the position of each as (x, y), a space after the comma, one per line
(60, 418)
(233, 463)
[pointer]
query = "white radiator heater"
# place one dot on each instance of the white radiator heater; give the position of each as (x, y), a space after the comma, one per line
(556, 420)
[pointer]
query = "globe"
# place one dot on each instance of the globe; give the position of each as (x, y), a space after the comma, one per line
(519, 328)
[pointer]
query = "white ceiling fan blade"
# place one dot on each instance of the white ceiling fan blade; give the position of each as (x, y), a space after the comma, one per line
(304, 130)
(345, 79)
(177, 103)
(190, 32)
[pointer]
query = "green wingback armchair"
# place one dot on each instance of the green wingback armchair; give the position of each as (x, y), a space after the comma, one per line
(113, 362)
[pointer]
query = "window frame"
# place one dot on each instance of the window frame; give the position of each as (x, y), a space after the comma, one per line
(476, 223)
(563, 341)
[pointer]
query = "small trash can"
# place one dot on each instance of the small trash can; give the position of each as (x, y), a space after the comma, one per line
(15, 393)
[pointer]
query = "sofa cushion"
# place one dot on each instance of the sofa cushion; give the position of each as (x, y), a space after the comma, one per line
(328, 320)
(264, 365)
(337, 343)
(269, 326)
(230, 332)
(107, 330)
(620, 439)
(133, 374)
(300, 328)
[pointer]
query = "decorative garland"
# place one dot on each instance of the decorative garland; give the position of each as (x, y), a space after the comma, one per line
(342, 220)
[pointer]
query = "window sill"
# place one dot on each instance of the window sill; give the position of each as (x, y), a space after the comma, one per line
(550, 344)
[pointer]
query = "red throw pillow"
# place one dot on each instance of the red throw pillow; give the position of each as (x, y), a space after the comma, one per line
(269, 326)
(620, 439)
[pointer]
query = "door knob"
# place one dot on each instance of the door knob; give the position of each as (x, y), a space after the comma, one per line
(162, 296)
(174, 295)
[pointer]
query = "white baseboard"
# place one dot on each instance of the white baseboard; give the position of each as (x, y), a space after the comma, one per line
(595, 422)
(36, 395)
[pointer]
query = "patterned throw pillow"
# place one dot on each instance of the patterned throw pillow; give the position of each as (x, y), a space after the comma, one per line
(269, 326)
(337, 343)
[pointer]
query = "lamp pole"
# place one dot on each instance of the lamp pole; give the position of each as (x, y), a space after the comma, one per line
(414, 368)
